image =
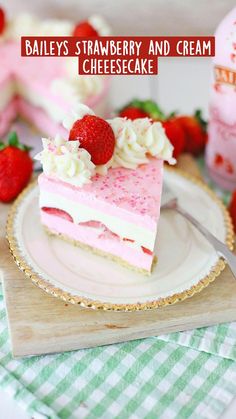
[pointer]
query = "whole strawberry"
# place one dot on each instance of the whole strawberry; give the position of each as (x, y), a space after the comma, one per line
(141, 109)
(2, 20)
(85, 29)
(132, 113)
(96, 136)
(195, 129)
(16, 168)
(232, 209)
(176, 135)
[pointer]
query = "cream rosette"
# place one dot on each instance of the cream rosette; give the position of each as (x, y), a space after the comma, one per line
(64, 160)
(137, 140)
(74, 87)
(26, 24)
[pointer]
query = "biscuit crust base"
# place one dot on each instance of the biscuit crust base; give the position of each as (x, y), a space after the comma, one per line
(99, 252)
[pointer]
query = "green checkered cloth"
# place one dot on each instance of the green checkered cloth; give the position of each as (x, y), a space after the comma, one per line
(182, 375)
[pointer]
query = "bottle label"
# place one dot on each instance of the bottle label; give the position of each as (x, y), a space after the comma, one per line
(225, 75)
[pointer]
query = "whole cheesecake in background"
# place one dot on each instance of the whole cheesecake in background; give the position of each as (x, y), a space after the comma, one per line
(43, 89)
(101, 186)
(221, 147)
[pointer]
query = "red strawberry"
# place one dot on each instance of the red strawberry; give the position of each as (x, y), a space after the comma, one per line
(96, 136)
(195, 132)
(16, 168)
(229, 167)
(218, 160)
(217, 87)
(133, 113)
(84, 30)
(176, 135)
(232, 209)
(233, 57)
(2, 20)
(58, 213)
(145, 250)
(141, 109)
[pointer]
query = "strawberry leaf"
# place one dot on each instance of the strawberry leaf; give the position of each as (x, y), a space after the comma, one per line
(24, 147)
(13, 139)
(172, 115)
(2, 146)
(147, 106)
(200, 120)
(136, 103)
(153, 110)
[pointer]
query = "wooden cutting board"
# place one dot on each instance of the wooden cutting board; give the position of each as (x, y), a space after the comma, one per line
(41, 324)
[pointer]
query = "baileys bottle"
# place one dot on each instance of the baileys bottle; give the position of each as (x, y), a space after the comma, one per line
(221, 147)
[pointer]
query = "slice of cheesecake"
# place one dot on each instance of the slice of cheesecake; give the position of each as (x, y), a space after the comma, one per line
(114, 212)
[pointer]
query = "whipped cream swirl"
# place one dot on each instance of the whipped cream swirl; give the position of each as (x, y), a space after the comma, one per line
(74, 87)
(26, 24)
(136, 141)
(78, 112)
(64, 160)
(100, 25)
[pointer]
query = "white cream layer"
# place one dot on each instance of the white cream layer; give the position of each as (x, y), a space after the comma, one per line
(55, 112)
(82, 213)
(7, 94)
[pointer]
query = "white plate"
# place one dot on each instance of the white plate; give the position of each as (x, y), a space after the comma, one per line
(186, 261)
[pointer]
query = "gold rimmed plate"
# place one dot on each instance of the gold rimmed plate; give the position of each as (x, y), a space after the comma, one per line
(186, 261)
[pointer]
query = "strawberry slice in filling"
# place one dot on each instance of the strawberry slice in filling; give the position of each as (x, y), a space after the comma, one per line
(105, 233)
(58, 213)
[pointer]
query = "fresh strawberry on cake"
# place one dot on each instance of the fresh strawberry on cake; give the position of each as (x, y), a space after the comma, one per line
(101, 187)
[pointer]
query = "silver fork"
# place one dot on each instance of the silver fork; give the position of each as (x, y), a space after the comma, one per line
(170, 201)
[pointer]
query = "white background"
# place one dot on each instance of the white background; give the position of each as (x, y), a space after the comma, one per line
(135, 17)
(182, 84)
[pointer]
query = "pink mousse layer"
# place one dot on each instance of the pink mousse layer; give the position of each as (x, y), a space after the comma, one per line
(131, 195)
(37, 75)
(9, 113)
(7, 116)
(34, 115)
(39, 119)
(89, 236)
